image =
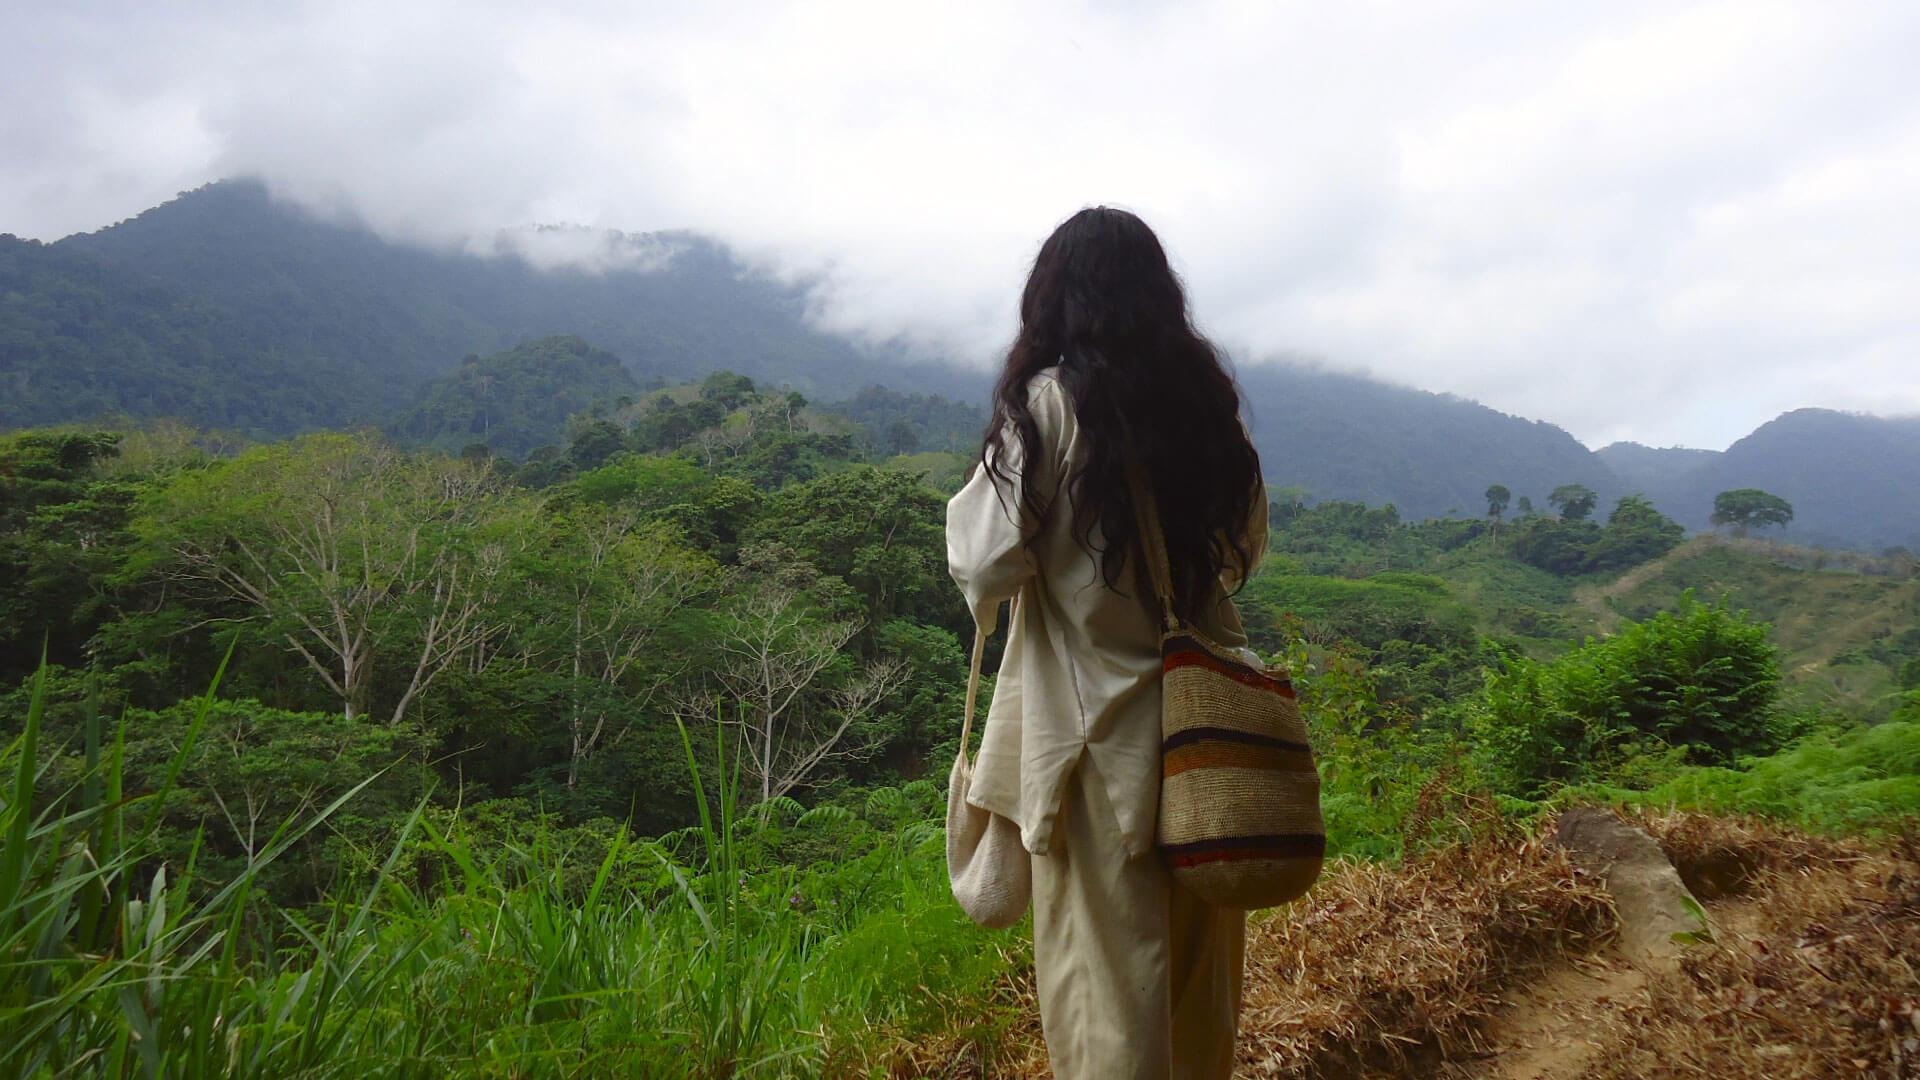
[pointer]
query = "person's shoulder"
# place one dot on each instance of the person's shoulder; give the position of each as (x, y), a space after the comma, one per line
(1045, 388)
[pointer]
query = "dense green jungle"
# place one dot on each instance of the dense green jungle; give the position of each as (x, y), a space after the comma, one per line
(451, 750)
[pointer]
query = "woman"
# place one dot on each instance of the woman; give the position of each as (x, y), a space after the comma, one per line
(1107, 380)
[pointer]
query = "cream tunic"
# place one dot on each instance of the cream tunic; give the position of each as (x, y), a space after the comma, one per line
(1081, 673)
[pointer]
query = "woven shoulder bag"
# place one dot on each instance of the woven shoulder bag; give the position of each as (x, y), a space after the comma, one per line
(1240, 822)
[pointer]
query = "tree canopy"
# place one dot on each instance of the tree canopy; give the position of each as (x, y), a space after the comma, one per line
(1749, 508)
(1574, 501)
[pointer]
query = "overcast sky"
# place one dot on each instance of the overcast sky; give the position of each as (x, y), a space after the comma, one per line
(1659, 221)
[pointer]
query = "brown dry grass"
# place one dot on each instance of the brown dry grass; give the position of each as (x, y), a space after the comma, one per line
(1815, 976)
(1730, 856)
(1387, 969)
(1391, 971)
(1380, 966)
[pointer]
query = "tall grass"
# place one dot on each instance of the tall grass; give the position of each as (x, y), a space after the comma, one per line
(696, 955)
(1864, 780)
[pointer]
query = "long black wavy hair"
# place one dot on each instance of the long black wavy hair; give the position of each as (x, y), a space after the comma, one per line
(1103, 303)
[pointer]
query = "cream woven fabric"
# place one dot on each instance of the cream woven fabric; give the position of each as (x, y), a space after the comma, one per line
(991, 873)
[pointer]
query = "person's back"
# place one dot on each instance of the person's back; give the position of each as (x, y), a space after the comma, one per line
(1108, 391)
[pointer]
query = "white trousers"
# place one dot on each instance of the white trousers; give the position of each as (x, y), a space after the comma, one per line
(1136, 978)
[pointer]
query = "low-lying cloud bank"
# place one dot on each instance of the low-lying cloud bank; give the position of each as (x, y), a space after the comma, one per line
(1652, 221)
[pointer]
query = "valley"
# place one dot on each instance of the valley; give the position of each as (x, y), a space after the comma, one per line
(418, 659)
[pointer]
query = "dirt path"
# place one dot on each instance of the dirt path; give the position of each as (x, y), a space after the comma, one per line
(1556, 1024)
(1547, 1028)
(1807, 956)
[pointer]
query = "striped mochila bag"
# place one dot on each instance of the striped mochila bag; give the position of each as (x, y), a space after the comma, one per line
(1240, 822)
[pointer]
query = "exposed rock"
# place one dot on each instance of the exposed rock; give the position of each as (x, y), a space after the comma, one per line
(1658, 916)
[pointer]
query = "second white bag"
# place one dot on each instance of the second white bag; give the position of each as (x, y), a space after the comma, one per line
(989, 869)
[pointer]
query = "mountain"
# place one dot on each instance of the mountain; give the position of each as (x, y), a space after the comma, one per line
(1653, 471)
(1853, 479)
(1430, 455)
(230, 309)
(519, 399)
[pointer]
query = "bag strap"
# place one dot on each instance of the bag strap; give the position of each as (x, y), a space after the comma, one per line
(1153, 543)
(973, 688)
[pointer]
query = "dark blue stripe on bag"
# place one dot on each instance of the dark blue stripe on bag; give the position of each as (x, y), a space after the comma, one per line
(1283, 845)
(1213, 734)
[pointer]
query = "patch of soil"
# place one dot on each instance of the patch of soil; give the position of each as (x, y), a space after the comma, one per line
(1551, 1027)
(1815, 977)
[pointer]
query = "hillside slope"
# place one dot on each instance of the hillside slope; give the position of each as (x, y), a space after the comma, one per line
(87, 339)
(519, 399)
(1430, 455)
(1845, 637)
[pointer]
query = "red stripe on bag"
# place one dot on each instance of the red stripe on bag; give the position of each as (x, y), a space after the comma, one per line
(1203, 659)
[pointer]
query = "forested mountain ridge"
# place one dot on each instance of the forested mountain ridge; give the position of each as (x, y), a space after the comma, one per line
(1853, 479)
(232, 310)
(85, 339)
(1429, 455)
(227, 289)
(514, 401)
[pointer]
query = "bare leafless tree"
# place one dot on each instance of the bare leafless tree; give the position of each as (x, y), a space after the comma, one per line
(773, 657)
(619, 581)
(348, 550)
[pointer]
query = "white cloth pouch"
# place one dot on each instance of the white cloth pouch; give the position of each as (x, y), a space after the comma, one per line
(988, 867)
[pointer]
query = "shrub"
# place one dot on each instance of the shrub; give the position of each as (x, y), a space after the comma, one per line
(1703, 678)
(1635, 533)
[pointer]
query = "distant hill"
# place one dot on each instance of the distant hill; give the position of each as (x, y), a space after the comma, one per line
(1430, 455)
(1853, 480)
(1652, 471)
(229, 309)
(915, 423)
(518, 399)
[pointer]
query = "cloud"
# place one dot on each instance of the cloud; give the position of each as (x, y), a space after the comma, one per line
(1658, 221)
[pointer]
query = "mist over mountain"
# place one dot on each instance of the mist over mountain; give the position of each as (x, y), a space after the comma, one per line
(229, 309)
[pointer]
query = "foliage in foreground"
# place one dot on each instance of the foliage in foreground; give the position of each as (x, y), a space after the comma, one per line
(1863, 780)
(720, 951)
